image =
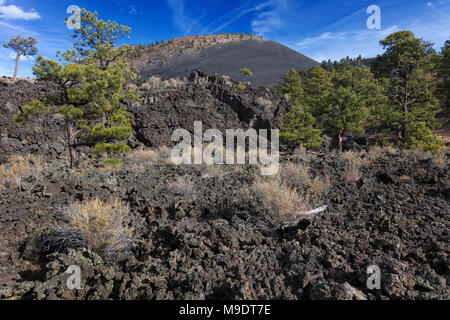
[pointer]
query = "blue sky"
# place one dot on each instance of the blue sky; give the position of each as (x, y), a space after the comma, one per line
(319, 29)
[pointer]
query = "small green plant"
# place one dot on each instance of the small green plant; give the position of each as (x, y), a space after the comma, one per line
(241, 86)
(247, 73)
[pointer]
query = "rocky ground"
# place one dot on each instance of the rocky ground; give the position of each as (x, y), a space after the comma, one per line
(166, 105)
(215, 240)
(213, 243)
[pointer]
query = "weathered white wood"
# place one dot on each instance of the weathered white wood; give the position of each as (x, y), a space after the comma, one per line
(311, 212)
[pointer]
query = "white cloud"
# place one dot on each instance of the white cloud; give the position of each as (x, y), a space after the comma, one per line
(11, 12)
(233, 16)
(12, 56)
(308, 41)
(132, 10)
(337, 45)
(272, 19)
(181, 18)
(430, 4)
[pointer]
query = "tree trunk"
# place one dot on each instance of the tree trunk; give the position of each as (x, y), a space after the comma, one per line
(72, 148)
(338, 141)
(17, 66)
(103, 117)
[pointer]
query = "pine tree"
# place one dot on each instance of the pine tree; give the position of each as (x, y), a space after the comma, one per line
(298, 128)
(356, 93)
(23, 47)
(408, 65)
(444, 74)
(92, 79)
(317, 87)
(292, 86)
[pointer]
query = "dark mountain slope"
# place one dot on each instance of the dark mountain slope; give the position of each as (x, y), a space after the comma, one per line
(268, 60)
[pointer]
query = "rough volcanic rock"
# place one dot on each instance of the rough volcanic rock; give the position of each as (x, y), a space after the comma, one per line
(43, 135)
(208, 98)
(214, 100)
(214, 245)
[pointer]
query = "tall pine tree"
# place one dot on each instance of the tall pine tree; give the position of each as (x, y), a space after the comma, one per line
(92, 80)
(408, 65)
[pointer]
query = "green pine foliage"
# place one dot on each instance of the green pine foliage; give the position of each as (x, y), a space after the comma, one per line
(298, 128)
(317, 88)
(444, 74)
(397, 97)
(292, 87)
(246, 72)
(408, 70)
(356, 93)
(92, 79)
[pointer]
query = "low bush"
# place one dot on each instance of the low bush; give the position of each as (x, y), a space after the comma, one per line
(97, 225)
(282, 203)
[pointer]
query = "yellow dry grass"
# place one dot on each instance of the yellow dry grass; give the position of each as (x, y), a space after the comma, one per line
(101, 224)
(376, 152)
(295, 174)
(281, 201)
(19, 168)
(320, 186)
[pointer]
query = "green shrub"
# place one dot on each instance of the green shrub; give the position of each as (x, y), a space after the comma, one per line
(241, 86)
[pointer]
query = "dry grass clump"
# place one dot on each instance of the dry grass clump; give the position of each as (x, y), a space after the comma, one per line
(98, 225)
(354, 162)
(282, 202)
(302, 153)
(212, 171)
(295, 175)
(440, 159)
(158, 83)
(21, 172)
(143, 157)
(376, 152)
(352, 172)
(181, 187)
(320, 186)
(164, 155)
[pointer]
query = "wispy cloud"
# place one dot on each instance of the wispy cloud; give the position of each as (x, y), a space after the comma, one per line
(271, 19)
(132, 10)
(12, 12)
(311, 40)
(183, 20)
(233, 16)
(337, 45)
